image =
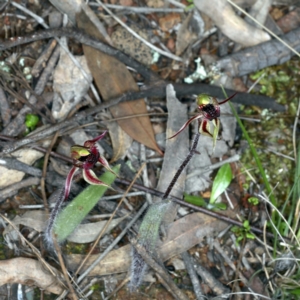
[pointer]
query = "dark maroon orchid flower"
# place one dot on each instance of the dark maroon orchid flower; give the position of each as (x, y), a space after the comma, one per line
(85, 157)
(208, 116)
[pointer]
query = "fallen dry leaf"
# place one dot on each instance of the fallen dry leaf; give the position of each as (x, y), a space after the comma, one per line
(69, 84)
(113, 79)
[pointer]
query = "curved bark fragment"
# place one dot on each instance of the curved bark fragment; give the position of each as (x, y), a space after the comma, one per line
(29, 272)
(234, 27)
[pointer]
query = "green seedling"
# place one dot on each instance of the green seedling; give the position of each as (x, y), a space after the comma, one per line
(190, 5)
(31, 122)
(253, 201)
(243, 232)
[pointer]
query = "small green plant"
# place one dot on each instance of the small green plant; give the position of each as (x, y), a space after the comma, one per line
(31, 122)
(190, 5)
(243, 232)
(253, 201)
(220, 184)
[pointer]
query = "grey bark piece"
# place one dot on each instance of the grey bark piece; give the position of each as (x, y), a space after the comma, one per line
(261, 56)
(176, 151)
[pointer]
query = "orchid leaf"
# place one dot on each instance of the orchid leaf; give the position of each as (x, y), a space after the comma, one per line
(79, 208)
(221, 182)
(196, 200)
(217, 206)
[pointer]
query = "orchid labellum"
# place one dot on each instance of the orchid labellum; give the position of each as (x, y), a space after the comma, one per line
(85, 157)
(208, 116)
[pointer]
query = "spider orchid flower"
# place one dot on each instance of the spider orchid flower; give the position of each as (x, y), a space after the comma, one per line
(208, 116)
(85, 157)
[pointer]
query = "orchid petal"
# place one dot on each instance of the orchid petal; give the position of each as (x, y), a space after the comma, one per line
(105, 164)
(224, 101)
(198, 116)
(69, 182)
(216, 123)
(90, 143)
(91, 178)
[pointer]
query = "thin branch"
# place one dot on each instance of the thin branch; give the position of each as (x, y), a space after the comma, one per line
(64, 271)
(193, 276)
(140, 10)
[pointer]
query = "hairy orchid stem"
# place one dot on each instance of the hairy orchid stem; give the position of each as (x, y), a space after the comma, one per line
(53, 216)
(182, 166)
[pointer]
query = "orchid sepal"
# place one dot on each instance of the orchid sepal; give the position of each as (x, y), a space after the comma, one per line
(227, 99)
(185, 125)
(69, 182)
(92, 142)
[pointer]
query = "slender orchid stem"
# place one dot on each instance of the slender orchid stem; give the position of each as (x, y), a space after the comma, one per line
(53, 215)
(182, 166)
